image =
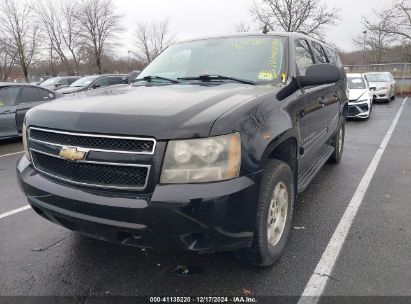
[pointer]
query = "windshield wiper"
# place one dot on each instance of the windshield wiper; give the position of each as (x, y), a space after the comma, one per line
(151, 78)
(217, 77)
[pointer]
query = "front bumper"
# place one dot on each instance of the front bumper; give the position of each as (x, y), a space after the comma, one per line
(359, 109)
(198, 217)
(381, 94)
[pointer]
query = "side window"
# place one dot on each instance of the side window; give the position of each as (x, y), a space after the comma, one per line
(8, 96)
(116, 80)
(319, 53)
(29, 94)
(102, 82)
(45, 95)
(71, 80)
(64, 81)
(303, 56)
(333, 57)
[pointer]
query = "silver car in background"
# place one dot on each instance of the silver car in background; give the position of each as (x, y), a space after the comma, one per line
(382, 84)
(57, 83)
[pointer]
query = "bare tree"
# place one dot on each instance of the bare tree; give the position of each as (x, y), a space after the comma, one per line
(304, 16)
(242, 28)
(17, 26)
(8, 58)
(100, 25)
(376, 42)
(63, 31)
(151, 39)
(397, 20)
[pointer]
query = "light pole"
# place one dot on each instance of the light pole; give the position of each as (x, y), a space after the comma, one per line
(363, 51)
(128, 61)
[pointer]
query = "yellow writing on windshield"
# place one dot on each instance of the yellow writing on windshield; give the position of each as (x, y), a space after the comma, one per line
(247, 43)
(274, 58)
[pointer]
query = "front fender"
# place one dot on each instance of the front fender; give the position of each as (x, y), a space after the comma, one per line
(261, 122)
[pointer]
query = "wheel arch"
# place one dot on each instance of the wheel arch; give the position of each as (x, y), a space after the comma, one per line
(285, 148)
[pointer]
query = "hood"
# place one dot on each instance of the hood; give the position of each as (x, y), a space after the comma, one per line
(379, 85)
(163, 112)
(69, 90)
(355, 94)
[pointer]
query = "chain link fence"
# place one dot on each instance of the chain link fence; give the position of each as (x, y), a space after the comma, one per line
(400, 71)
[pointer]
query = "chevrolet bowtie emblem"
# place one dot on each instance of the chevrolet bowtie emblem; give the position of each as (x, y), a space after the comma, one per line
(72, 154)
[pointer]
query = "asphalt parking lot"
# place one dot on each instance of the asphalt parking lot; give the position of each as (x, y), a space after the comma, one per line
(38, 258)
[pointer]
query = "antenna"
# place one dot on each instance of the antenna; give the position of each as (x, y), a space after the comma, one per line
(265, 29)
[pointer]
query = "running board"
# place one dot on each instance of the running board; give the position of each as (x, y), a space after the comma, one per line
(306, 176)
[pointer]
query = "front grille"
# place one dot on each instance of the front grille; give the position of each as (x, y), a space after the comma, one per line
(353, 111)
(95, 142)
(105, 175)
(363, 107)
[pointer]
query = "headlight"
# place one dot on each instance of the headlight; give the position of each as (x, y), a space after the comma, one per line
(25, 145)
(202, 160)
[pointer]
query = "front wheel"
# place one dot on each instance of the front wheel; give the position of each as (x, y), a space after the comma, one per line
(274, 214)
(338, 144)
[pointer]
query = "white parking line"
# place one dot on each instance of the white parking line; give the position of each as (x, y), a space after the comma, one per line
(315, 286)
(10, 154)
(6, 214)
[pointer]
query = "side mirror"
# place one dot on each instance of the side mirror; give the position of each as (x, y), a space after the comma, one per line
(95, 86)
(319, 74)
(58, 84)
(373, 88)
(315, 75)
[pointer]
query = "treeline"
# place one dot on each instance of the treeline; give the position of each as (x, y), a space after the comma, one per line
(388, 38)
(73, 37)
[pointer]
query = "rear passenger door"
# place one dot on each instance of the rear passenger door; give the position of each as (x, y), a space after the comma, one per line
(8, 97)
(311, 109)
(329, 92)
(30, 97)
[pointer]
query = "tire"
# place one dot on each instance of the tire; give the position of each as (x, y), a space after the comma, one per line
(338, 144)
(276, 190)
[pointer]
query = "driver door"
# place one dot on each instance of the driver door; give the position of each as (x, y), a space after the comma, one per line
(8, 97)
(312, 114)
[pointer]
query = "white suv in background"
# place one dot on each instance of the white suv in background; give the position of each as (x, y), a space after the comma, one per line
(360, 97)
(382, 84)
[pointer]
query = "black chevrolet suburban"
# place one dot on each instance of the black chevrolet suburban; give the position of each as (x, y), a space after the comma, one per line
(205, 151)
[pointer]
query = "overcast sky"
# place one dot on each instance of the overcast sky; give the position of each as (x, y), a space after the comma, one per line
(194, 18)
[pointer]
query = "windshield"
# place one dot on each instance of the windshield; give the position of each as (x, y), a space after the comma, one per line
(377, 77)
(254, 58)
(356, 83)
(84, 82)
(51, 81)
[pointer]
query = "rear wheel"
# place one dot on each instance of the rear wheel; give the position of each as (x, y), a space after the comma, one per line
(274, 213)
(338, 144)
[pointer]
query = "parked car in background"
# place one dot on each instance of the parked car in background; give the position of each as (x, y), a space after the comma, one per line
(382, 84)
(182, 159)
(93, 82)
(36, 80)
(130, 77)
(360, 98)
(15, 100)
(57, 83)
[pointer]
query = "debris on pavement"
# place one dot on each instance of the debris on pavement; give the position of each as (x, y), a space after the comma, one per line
(246, 292)
(182, 270)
